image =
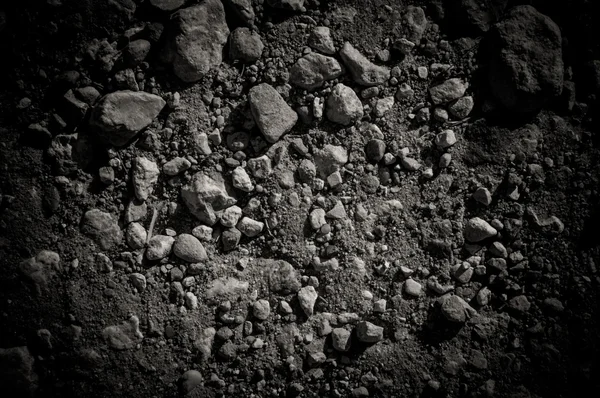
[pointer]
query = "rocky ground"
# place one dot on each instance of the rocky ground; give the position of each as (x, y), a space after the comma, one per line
(264, 198)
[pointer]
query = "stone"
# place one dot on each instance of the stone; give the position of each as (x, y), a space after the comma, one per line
(383, 106)
(102, 228)
(340, 339)
(261, 309)
(413, 288)
(455, 309)
(230, 217)
(138, 281)
(106, 175)
(416, 23)
(260, 167)
(330, 159)
(17, 374)
(404, 45)
(404, 92)
(462, 107)
(136, 236)
(296, 5)
(245, 45)
(230, 239)
(273, 116)
(313, 70)
(483, 296)
(203, 233)
(478, 229)
(167, 5)
(197, 37)
(526, 62)
(478, 15)
(136, 52)
(320, 39)
(205, 196)
(497, 249)
(241, 180)
(447, 91)
(159, 247)
(368, 333)
(283, 278)
(483, 196)
(242, 9)
(188, 248)
(144, 176)
(343, 105)
(380, 306)
(317, 219)
(135, 211)
(445, 139)
(307, 171)
(250, 227)
(119, 116)
(307, 297)
(375, 150)
(519, 304)
(363, 71)
(176, 166)
(124, 336)
(410, 164)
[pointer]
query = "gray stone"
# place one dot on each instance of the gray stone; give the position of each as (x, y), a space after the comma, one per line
(159, 247)
(250, 227)
(296, 5)
(383, 106)
(307, 297)
(102, 228)
(445, 139)
(272, 114)
(176, 166)
(455, 309)
(261, 309)
(363, 71)
(119, 116)
(205, 196)
(136, 235)
(483, 196)
(230, 239)
(283, 278)
(375, 150)
(343, 105)
(260, 167)
(245, 45)
(416, 23)
(340, 339)
(478, 229)
(519, 304)
(167, 5)
(330, 159)
(144, 176)
(188, 248)
(230, 217)
(447, 91)
(462, 107)
(138, 281)
(413, 288)
(199, 35)
(241, 180)
(124, 336)
(136, 211)
(320, 39)
(242, 9)
(313, 69)
(366, 332)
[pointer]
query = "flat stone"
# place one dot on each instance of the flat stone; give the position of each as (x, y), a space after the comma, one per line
(120, 115)
(413, 288)
(320, 39)
(363, 71)
(144, 176)
(102, 228)
(366, 332)
(478, 229)
(159, 247)
(307, 297)
(250, 227)
(176, 165)
(313, 69)
(273, 116)
(447, 91)
(205, 196)
(188, 248)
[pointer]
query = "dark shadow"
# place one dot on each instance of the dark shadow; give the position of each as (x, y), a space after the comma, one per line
(437, 329)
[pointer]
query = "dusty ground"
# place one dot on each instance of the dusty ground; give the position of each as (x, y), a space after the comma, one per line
(400, 224)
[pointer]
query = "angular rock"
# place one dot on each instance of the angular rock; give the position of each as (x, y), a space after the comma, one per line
(462, 107)
(230, 238)
(313, 69)
(413, 288)
(363, 71)
(124, 336)
(416, 22)
(245, 45)
(167, 5)
(39, 269)
(320, 39)
(102, 228)
(176, 166)
(343, 105)
(519, 304)
(366, 332)
(307, 297)
(199, 35)
(189, 249)
(296, 5)
(159, 247)
(144, 176)
(230, 217)
(206, 196)
(272, 114)
(119, 116)
(260, 167)
(330, 159)
(283, 278)
(445, 139)
(455, 309)
(136, 235)
(241, 180)
(478, 229)
(526, 62)
(138, 281)
(340, 339)
(242, 9)
(449, 90)
(250, 227)
(261, 309)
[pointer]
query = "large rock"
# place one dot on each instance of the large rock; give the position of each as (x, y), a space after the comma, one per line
(199, 34)
(312, 70)
(17, 375)
(119, 116)
(207, 196)
(272, 114)
(526, 64)
(102, 228)
(343, 105)
(363, 71)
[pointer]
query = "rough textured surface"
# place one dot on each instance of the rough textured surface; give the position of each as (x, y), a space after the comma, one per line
(272, 114)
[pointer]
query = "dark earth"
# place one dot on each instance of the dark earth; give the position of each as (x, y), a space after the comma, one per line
(299, 198)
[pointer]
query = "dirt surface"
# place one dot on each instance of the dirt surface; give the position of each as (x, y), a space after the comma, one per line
(188, 210)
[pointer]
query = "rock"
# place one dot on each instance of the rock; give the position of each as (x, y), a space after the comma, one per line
(497, 249)
(526, 62)
(416, 23)
(136, 236)
(330, 159)
(479, 15)
(383, 106)
(203, 232)
(405, 92)
(554, 305)
(413, 288)
(455, 309)
(124, 336)
(102, 228)
(205, 196)
(136, 52)
(241, 180)
(229, 218)
(17, 374)
(176, 166)
(261, 309)
(138, 281)
(320, 39)
(462, 107)
(283, 278)
(445, 139)
(190, 380)
(519, 304)
(307, 297)
(243, 10)
(167, 5)
(296, 5)
(119, 116)
(343, 105)
(363, 71)
(410, 164)
(366, 332)
(272, 114)
(106, 175)
(159, 247)
(340, 339)
(230, 238)
(144, 176)
(483, 296)
(245, 45)
(404, 45)
(447, 91)
(478, 229)
(250, 227)
(483, 196)
(317, 219)
(199, 35)
(375, 150)
(189, 249)
(136, 211)
(313, 69)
